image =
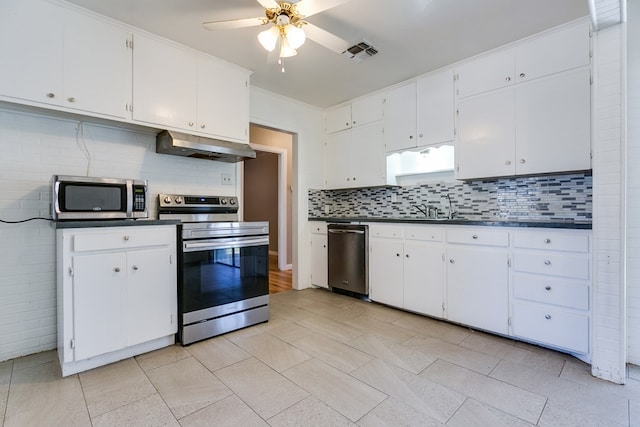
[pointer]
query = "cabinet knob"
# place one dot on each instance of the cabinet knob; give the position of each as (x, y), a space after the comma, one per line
(135, 267)
(201, 126)
(548, 288)
(410, 136)
(547, 241)
(190, 123)
(547, 316)
(117, 269)
(354, 122)
(474, 237)
(125, 238)
(508, 162)
(397, 254)
(451, 261)
(420, 136)
(71, 99)
(547, 262)
(522, 75)
(407, 255)
(522, 161)
(51, 95)
(507, 79)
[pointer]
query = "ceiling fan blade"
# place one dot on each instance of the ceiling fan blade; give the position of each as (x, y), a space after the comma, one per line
(233, 23)
(325, 38)
(311, 7)
(269, 4)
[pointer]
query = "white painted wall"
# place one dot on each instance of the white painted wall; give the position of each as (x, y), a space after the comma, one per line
(33, 148)
(609, 337)
(307, 123)
(633, 182)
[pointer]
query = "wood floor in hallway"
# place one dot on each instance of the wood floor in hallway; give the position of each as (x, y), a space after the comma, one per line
(279, 281)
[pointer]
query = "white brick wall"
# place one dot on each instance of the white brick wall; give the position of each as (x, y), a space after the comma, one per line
(633, 182)
(609, 346)
(32, 148)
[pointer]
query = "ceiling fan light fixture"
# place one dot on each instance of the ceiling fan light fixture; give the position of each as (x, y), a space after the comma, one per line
(286, 51)
(269, 38)
(295, 36)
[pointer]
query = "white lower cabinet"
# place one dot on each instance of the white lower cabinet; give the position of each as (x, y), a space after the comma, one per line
(319, 255)
(478, 278)
(406, 268)
(551, 287)
(117, 293)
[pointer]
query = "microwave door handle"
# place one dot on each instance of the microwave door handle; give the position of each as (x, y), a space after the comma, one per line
(129, 186)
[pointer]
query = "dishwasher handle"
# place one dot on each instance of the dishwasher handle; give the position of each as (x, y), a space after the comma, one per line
(341, 231)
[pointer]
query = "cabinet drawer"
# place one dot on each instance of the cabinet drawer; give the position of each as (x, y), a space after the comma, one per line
(552, 241)
(319, 227)
(551, 291)
(123, 238)
(393, 232)
(552, 263)
(430, 234)
(551, 326)
(478, 237)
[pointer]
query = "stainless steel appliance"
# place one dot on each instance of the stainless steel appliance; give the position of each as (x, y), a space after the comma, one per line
(223, 266)
(182, 144)
(348, 250)
(82, 197)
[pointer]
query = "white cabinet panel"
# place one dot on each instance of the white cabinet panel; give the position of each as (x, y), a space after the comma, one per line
(367, 110)
(486, 73)
(222, 100)
(97, 66)
(547, 240)
(553, 116)
(477, 287)
(475, 236)
(386, 271)
(435, 109)
(400, 118)
(99, 304)
(319, 260)
(338, 119)
(338, 162)
(423, 278)
(486, 135)
(31, 43)
(553, 264)
(164, 84)
(550, 290)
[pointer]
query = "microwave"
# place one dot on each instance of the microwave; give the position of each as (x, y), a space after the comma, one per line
(81, 197)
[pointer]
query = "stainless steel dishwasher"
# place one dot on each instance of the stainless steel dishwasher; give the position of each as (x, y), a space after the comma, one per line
(349, 258)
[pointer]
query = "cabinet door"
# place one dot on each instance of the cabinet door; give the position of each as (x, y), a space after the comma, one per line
(164, 84)
(319, 260)
(400, 118)
(31, 33)
(223, 100)
(338, 163)
(436, 109)
(97, 66)
(423, 278)
(366, 156)
(553, 123)
(339, 119)
(151, 295)
(487, 73)
(367, 110)
(486, 135)
(99, 301)
(555, 52)
(386, 272)
(477, 287)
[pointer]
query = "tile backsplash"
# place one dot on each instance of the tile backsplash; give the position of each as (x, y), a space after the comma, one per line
(549, 197)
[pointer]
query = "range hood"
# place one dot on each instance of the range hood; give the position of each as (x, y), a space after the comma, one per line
(182, 144)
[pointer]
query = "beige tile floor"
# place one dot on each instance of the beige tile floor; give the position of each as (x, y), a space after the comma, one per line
(325, 360)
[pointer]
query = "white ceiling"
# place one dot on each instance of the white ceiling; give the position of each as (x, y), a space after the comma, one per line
(413, 37)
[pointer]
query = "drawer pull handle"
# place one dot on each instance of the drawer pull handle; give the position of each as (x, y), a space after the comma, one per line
(547, 262)
(548, 317)
(548, 288)
(397, 254)
(451, 261)
(126, 238)
(474, 237)
(547, 241)
(407, 255)
(135, 267)
(117, 269)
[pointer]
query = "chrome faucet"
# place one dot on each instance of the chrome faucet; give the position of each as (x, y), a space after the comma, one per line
(423, 208)
(452, 213)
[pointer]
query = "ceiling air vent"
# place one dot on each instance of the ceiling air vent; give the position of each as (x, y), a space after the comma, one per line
(360, 51)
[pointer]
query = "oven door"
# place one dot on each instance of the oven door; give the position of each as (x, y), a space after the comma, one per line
(216, 272)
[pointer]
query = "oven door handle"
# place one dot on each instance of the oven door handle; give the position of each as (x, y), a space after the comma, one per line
(206, 245)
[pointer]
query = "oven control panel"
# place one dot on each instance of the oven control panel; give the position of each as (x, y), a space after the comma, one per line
(176, 200)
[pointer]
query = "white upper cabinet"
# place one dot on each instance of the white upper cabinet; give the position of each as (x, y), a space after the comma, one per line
(486, 73)
(361, 112)
(223, 100)
(421, 112)
(97, 66)
(31, 34)
(63, 58)
(164, 84)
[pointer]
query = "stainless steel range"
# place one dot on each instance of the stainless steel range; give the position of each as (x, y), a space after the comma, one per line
(223, 268)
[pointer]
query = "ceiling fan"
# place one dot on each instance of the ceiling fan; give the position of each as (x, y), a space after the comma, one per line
(289, 30)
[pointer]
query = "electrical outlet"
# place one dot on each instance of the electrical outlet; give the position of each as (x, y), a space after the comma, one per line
(394, 197)
(227, 179)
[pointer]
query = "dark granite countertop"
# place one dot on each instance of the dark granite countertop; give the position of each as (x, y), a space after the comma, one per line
(569, 224)
(113, 223)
